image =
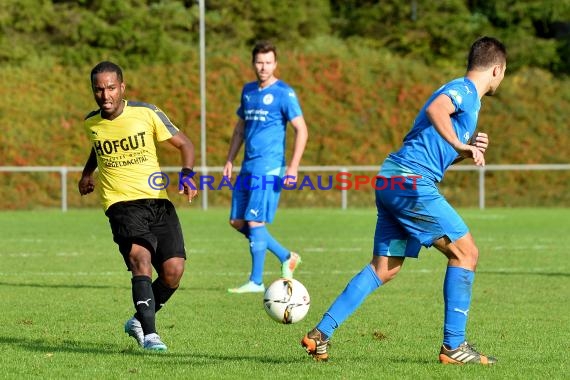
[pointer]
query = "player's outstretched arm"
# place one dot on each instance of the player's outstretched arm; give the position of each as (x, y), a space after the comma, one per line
(86, 184)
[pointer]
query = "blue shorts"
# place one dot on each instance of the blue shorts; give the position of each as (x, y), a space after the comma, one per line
(255, 197)
(412, 213)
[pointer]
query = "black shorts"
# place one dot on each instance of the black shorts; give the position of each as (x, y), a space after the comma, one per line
(152, 223)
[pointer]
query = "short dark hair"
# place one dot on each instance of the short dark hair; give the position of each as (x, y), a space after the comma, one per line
(263, 47)
(107, 67)
(486, 52)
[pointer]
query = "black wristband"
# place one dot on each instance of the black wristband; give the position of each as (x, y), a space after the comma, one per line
(187, 172)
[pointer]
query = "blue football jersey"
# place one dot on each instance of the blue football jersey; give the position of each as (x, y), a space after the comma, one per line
(424, 152)
(266, 112)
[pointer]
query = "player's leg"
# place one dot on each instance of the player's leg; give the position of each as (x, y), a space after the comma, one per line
(269, 201)
(273, 245)
(260, 209)
(138, 260)
(240, 199)
(435, 220)
(457, 288)
(289, 260)
(431, 219)
(257, 248)
(170, 256)
(256, 208)
(140, 264)
(357, 289)
(167, 256)
(241, 226)
(163, 287)
(241, 205)
(391, 246)
(240, 202)
(167, 281)
(462, 252)
(462, 257)
(132, 235)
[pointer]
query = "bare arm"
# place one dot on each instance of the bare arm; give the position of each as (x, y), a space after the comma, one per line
(86, 184)
(181, 142)
(235, 145)
(301, 136)
(439, 112)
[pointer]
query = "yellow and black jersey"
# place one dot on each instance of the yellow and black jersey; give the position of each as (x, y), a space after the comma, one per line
(126, 151)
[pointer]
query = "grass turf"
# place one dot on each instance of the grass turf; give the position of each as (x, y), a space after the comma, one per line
(66, 294)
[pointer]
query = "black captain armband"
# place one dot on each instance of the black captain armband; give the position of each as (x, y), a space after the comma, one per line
(187, 172)
(184, 178)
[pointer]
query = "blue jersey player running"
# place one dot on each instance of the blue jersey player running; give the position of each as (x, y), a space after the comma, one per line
(267, 106)
(412, 212)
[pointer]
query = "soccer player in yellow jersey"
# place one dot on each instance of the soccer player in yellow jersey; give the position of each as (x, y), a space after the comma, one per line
(144, 222)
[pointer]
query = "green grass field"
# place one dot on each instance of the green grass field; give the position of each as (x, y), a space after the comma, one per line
(66, 294)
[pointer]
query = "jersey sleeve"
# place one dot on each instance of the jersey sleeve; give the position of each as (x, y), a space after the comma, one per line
(291, 106)
(164, 128)
(461, 96)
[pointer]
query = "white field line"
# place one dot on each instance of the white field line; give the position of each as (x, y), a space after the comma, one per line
(522, 270)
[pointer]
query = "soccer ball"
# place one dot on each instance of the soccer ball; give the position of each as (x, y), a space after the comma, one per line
(286, 301)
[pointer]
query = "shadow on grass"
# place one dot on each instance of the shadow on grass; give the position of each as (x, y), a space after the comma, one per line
(77, 347)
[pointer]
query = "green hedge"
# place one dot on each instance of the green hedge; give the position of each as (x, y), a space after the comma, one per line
(358, 103)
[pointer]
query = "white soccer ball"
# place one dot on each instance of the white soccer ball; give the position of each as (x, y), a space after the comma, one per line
(286, 301)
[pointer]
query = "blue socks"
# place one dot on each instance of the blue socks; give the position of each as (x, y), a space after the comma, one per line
(359, 287)
(273, 245)
(257, 247)
(277, 249)
(259, 240)
(457, 289)
(457, 298)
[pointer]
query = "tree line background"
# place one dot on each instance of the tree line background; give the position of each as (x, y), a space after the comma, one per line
(166, 31)
(361, 69)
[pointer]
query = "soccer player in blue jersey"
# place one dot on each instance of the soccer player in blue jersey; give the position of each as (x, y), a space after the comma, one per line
(412, 212)
(267, 106)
